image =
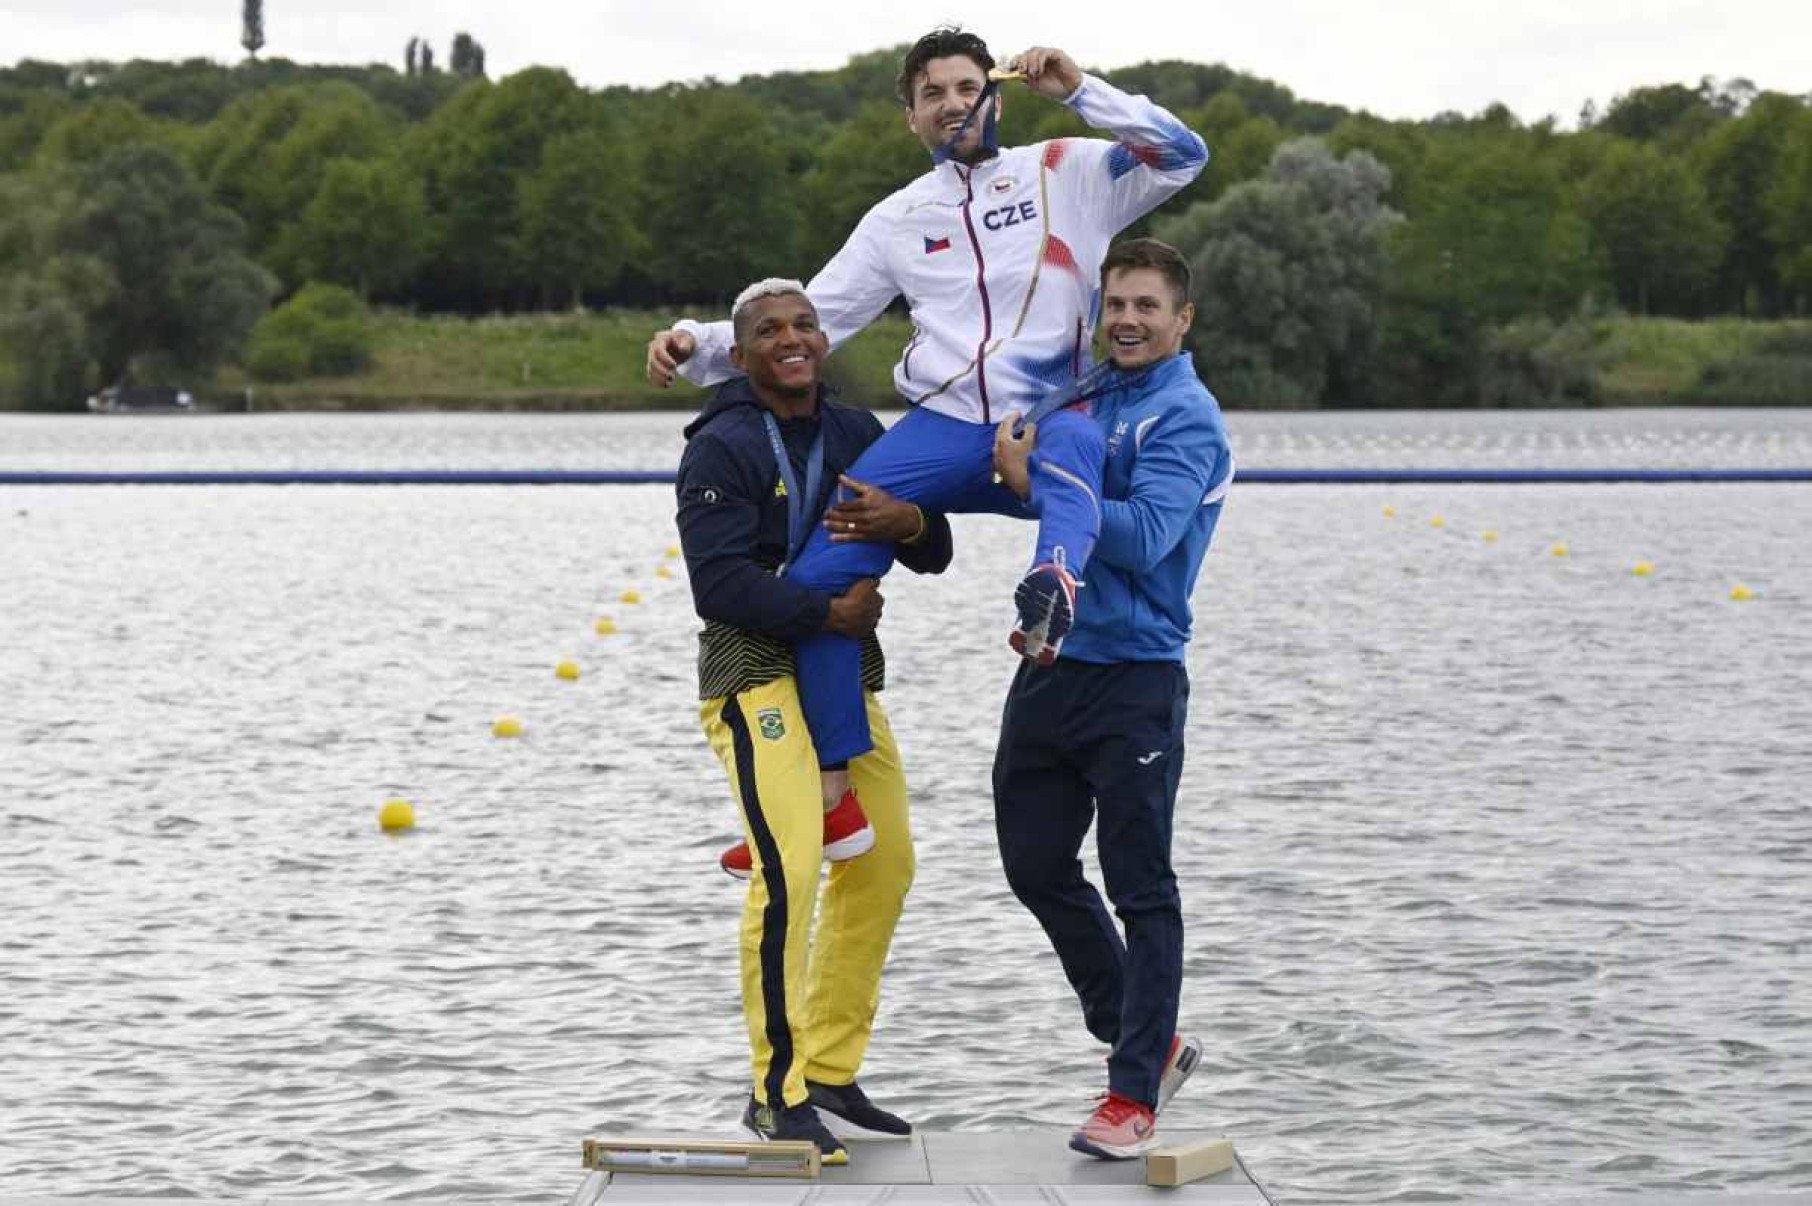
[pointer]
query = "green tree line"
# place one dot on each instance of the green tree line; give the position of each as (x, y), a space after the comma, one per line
(151, 213)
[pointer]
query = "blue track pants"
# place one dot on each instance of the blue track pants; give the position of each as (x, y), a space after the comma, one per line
(942, 464)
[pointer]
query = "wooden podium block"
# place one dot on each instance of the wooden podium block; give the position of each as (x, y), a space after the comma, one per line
(1188, 1162)
(697, 1157)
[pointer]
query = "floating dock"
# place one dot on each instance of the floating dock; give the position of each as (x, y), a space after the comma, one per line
(951, 1168)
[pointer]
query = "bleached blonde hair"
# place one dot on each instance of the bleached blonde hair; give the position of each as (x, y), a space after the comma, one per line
(773, 286)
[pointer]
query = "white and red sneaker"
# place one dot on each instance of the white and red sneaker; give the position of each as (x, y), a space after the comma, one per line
(847, 834)
(1119, 1129)
(1046, 599)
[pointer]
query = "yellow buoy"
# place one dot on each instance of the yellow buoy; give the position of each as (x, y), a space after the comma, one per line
(396, 816)
(506, 726)
(673, 550)
(1390, 512)
(568, 670)
(632, 595)
(1559, 549)
(605, 626)
(1739, 592)
(1437, 522)
(661, 571)
(1643, 569)
(1489, 536)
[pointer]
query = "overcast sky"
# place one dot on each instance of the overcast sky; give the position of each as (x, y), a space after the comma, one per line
(1412, 58)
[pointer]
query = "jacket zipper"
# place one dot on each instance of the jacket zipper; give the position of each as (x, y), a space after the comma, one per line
(981, 285)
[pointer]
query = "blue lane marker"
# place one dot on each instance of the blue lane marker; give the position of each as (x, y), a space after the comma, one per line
(633, 477)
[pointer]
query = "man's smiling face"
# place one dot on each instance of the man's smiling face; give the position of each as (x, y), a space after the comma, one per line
(1143, 317)
(941, 97)
(780, 345)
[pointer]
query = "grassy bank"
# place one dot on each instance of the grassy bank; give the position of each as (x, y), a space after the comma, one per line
(594, 362)
(545, 361)
(1719, 361)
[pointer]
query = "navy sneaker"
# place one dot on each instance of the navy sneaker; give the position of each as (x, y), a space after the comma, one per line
(1046, 599)
(794, 1122)
(849, 1114)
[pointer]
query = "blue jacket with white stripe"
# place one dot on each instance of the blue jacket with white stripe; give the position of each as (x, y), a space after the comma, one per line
(1168, 468)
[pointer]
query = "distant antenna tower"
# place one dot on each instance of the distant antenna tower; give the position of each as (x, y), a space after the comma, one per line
(252, 33)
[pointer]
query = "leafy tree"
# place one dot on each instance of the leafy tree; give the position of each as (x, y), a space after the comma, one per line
(868, 158)
(1650, 216)
(24, 125)
(46, 295)
(1742, 161)
(721, 208)
(252, 27)
(1492, 240)
(266, 155)
(364, 227)
(576, 233)
(94, 130)
(470, 156)
(1289, 270)
(185, 291)
(323, 331)
(1402, 147)
(1494, 233)
(467, 57)
(1789, 208)
(1672, 114)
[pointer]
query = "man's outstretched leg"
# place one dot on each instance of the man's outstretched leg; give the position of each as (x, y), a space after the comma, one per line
(1066, 497)
(928, 459)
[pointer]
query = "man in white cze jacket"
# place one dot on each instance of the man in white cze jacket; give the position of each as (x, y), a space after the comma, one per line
(997, 253)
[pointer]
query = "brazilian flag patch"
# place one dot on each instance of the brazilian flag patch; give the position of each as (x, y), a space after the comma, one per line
(772, 726)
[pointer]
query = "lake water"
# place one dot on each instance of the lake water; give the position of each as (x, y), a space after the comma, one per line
(1496, 864)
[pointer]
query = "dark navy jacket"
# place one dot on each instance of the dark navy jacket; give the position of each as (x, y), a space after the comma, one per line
(733, 511)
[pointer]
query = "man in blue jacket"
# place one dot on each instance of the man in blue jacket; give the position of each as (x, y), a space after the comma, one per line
(759, 466)
(1098, 735)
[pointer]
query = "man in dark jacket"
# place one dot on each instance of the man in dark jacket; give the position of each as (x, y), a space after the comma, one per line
(759, 466)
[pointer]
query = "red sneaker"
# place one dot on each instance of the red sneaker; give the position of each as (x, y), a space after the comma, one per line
(1119, 1129)
(738, 861)
(847, 834)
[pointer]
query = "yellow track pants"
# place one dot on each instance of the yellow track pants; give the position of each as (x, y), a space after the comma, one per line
(810, 1004)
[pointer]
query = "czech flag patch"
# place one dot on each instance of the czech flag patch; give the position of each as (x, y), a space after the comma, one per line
(933, 245)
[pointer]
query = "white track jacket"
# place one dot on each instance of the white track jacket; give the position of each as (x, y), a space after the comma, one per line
(999, 263)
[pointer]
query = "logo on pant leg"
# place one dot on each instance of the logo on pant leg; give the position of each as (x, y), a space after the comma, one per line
(772, 726)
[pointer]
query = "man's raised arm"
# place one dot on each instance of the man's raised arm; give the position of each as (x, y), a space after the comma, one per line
(849, 292)
(1153, 155)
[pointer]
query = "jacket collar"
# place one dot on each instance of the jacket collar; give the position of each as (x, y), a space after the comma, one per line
(737, 392)
(960, 173)
(1154, 376)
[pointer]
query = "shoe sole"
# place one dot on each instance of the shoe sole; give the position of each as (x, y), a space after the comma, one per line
(856, 844)
(836, 1157)
(843, 1128)
(1033, 643)
(1043, 652)
(1106, 1151)
(840, 851)
(1188, 1059)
